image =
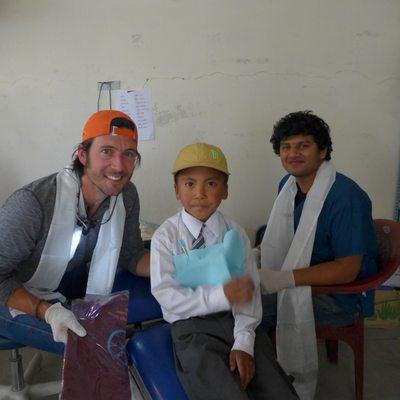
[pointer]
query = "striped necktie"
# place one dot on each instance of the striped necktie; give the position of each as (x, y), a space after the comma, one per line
(199, 242)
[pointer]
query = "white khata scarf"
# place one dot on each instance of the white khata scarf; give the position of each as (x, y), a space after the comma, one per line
(282, 249)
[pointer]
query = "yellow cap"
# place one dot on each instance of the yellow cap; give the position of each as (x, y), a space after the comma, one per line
(201, 155)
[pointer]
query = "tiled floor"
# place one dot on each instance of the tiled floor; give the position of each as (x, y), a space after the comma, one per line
(336, 382)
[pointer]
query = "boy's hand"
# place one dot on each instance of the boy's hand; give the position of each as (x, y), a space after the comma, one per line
(239, 290)
(245, 365)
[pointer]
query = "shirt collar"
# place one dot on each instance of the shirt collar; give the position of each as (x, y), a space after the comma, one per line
(194, 225)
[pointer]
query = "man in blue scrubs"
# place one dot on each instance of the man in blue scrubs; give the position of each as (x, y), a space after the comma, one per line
(345, 246)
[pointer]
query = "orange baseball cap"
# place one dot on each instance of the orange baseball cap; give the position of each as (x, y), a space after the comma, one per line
(109, 122)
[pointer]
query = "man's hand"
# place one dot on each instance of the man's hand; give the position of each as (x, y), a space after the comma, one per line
(245, 365)
(239, 290)
(60, 320)
(274, 281)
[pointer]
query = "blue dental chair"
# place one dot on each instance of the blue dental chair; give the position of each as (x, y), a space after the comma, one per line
(150, 345)
(143, 307)
(153, 365)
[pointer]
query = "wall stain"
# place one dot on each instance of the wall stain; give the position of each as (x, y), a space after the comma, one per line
(165, 117)
(243, 60)
(367, 34)
(136, 40)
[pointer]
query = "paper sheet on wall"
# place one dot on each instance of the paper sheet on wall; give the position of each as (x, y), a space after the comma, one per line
(137, 104)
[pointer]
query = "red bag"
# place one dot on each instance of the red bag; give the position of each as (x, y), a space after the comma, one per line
(96, 366)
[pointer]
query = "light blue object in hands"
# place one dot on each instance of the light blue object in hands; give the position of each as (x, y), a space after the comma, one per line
(213, 265)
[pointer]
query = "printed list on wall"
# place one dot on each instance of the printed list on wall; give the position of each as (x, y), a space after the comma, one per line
(137, 104)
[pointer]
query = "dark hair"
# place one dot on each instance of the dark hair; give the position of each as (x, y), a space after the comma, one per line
(226, 176)
(85, 146)
(121, 122)
(76, 164)
(302, 123)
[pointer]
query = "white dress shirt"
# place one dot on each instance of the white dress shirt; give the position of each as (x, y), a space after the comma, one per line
(179, 302)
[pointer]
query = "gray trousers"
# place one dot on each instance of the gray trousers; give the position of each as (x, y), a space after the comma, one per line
(202, 346)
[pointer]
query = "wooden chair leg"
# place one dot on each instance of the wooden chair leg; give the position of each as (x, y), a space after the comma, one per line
(332, 350)
(359, 367)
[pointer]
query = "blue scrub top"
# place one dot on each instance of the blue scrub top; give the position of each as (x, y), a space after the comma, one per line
(345, 228)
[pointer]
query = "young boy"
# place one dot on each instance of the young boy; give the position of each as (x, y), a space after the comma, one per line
(214, 319)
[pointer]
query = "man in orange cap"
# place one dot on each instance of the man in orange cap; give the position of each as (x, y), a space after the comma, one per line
(64, 235)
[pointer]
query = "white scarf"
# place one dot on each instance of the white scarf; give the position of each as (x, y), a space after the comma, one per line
(59, 249)
(282, 249)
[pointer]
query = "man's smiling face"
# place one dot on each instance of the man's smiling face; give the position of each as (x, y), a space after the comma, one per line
(108, 165)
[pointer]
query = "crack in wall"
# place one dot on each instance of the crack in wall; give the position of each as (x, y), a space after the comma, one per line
(229, 75)
(265, 72)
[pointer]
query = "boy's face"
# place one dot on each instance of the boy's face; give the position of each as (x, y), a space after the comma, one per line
(201, 190)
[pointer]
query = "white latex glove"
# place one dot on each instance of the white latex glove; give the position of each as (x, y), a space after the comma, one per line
(60, 319)
(274, 281)
(257, 256)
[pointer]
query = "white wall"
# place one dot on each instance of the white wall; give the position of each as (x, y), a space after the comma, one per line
(219, 71)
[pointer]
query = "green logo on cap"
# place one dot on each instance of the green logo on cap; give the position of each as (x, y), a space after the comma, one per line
(214, 154)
